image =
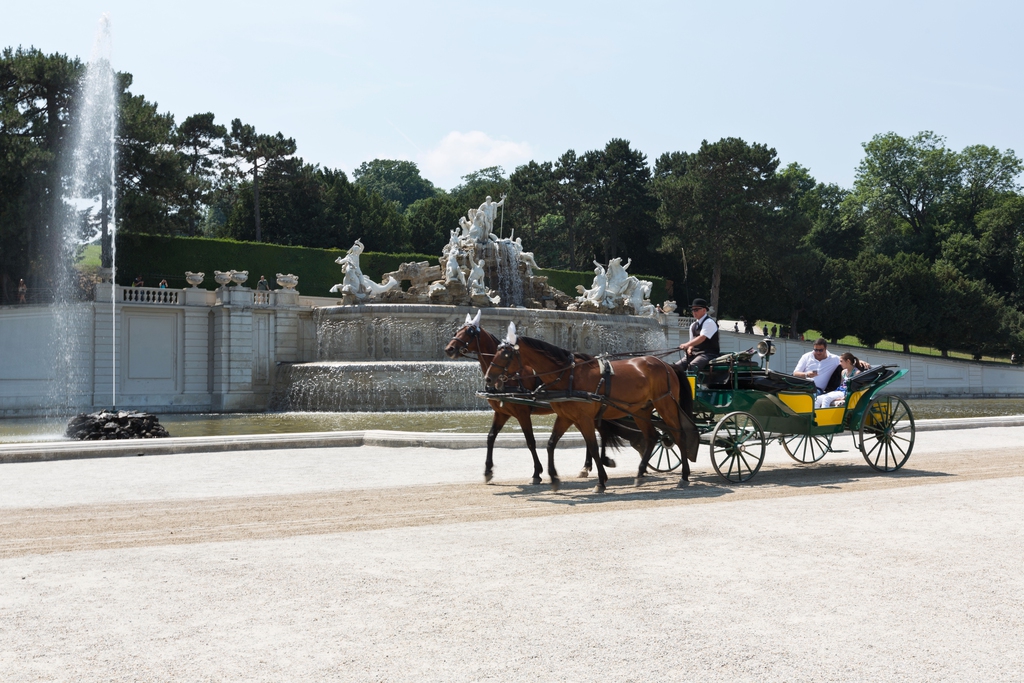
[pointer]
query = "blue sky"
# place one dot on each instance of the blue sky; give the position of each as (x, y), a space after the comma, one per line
(456, 86)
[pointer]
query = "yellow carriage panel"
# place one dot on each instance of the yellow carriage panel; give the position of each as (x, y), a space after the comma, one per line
(824, 417)
(851, 402)
(797, 402)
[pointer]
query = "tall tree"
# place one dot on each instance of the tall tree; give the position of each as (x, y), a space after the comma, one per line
(256, 150)
(200, 142)
(721, 204)
(394, 180)
(36, 101)
(621, 198)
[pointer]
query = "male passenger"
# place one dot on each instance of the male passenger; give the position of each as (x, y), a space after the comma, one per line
(817, 365)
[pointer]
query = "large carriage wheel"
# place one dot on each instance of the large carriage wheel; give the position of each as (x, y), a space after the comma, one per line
(665, 456)
(806, 448)
(737, 447)
(887, 433)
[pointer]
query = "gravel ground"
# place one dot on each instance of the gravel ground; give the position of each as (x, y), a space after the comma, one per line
(398, 564)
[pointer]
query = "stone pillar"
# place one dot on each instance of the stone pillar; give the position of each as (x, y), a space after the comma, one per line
(197, 355)
(232, 358)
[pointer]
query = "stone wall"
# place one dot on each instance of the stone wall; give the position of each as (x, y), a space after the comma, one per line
(224, 350)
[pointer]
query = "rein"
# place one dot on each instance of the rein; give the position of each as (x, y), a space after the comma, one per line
(519, 376)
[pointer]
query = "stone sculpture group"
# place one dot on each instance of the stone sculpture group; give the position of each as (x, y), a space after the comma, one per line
(615, 291)
(482, 269)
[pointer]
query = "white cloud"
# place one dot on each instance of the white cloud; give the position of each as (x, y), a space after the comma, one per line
(460, 153)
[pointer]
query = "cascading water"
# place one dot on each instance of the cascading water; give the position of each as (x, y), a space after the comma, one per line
(510, 281)
(86, 212)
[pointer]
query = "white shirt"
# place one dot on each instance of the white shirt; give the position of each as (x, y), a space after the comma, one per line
(709, 329)
(825, 367)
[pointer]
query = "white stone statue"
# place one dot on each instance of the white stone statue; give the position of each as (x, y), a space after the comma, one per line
(525, 256)
(637, 296)
(617, 280)
(489, 209)
(476, 277)
(467, 224)
(452, 271)
(354, 283)
(596, 293)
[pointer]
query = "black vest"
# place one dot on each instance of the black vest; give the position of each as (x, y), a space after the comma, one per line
(709, 346)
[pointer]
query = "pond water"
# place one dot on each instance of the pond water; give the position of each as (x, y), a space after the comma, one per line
(475, 422)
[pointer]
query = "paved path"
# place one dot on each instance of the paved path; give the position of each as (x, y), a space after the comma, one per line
(372, 563)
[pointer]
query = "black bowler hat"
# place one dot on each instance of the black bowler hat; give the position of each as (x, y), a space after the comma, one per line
(699, 303)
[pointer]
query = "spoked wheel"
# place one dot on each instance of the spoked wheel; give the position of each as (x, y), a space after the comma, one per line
(887, 433)
(665, 456)
(737, 447)
(806, 448)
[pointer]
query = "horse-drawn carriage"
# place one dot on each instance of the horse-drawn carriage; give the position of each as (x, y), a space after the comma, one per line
(740, 405)
(736, 406)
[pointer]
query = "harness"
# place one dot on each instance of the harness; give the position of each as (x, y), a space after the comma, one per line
(542, 394)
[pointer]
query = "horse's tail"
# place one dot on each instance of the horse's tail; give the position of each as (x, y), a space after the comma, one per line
(616, 434)
(686, 434)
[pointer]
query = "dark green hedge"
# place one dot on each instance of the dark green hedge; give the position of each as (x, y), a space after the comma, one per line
(566, 280)
(157, 257)
(167, 258)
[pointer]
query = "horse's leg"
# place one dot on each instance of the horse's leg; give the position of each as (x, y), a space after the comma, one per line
(496, 424)
(673, 415)
(605, 429)
(586, 427)
(650, 435)
(589, 463)
(561, 424)
(523, 415)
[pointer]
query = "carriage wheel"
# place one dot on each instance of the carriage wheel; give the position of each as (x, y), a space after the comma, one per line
(737, 447)
(806, 448)
(887, 433)
(665, 456)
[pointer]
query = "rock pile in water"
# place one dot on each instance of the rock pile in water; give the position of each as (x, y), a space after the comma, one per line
(110, 424)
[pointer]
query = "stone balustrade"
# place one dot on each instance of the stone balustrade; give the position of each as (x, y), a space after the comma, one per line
(150, 295)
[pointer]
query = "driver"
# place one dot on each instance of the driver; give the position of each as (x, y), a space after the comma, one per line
(703, 344)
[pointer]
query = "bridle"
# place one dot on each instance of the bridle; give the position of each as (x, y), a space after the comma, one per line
(509, 353)
(462, 345)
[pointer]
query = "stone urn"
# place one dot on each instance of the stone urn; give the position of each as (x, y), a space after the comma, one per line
(669, 307)
(239, 276)
(194, 279)
(287, 281)
(222, 277)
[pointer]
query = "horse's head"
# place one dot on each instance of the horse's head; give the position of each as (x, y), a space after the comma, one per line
(506, 365)
(505, 369)
(466, 339)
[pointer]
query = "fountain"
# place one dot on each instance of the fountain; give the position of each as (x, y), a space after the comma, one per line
(89, 198)
(382, 348)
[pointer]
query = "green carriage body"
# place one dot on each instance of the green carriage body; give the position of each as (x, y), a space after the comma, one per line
(780, 412)
(740, 406)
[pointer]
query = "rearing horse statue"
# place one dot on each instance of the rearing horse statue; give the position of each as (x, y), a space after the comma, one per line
(634, 387)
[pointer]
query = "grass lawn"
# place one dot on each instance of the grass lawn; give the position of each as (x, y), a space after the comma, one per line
(90, 256)
(811, 335)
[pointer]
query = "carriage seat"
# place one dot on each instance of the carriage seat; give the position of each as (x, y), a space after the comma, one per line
(875, 374)
(773, 382)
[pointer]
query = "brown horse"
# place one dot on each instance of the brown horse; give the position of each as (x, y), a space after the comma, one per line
(471, 338)
(612, 389)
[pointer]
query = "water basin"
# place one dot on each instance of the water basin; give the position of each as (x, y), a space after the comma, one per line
(14, 430)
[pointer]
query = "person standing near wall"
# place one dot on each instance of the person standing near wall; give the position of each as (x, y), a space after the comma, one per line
(22, 291)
